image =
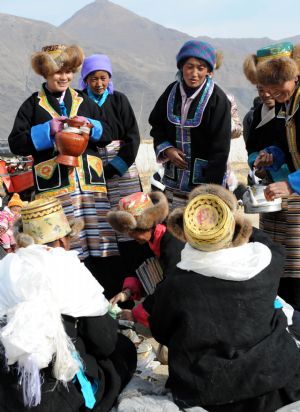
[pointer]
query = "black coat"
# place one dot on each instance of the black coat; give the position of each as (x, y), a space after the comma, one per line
(210, 140)
(31, 113)
(272, 133)
(121, 119)
(107, 356)
(227, 343)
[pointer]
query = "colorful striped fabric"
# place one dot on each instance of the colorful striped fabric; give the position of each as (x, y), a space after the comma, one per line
(97, 239)
(123, 186)
(284, 227)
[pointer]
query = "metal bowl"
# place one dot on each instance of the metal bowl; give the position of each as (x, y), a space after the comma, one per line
(254, 201)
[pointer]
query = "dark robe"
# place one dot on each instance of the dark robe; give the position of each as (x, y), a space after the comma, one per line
(107, 356)
(121, 118)
(229, 349)
(209, 136)
(31, 113)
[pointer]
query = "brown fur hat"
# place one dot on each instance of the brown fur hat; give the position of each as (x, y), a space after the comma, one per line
(273, 70)
(55, 58)
(123, 221)
(24, 240)
(276, 71)
(250, 68)
(243, 227)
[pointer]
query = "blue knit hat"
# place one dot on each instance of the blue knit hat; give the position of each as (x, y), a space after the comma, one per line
(199, 50)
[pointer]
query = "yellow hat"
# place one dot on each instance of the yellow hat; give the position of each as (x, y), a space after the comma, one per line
(45, 220)
(208, 223)
(15, 201)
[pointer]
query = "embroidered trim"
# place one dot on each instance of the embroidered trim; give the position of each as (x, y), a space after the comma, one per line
(43, 102)
(196, 120)
(95, 186)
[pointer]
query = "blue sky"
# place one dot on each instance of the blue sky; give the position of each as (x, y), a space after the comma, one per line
(213, 18)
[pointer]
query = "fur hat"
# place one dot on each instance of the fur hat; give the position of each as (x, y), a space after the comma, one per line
(15, 201)
(273, 64)
(43, 221)
(210, 220)
(199, 50)
(139, 212)
(55, 58)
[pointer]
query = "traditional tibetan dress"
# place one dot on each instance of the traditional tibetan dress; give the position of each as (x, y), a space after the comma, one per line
(198, 125)
(82, 190)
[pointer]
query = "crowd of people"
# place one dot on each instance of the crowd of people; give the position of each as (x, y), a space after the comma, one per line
(220, 296)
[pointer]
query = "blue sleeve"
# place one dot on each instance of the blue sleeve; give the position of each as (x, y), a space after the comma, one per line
(162, 147)
(40, 135)
(97, 130)
(294, 181)
(278, 157)
(119, 164)
(251, 159)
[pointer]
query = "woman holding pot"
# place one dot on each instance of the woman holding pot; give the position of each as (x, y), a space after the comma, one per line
(81, 190)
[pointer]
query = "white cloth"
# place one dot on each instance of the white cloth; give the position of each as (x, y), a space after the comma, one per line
(36, 268)
(266, 115)
(37, 285)
(237, 263)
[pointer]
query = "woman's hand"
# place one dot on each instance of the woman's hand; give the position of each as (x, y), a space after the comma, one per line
(176, 157)
(263, 159)
(121, 297)
(126, 314)
(277, 190)
(56, 125)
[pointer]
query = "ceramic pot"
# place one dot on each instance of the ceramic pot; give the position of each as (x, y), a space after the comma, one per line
(72, 141)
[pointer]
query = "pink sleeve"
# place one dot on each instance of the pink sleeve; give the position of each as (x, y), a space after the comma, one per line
(135, 287)
(141, 315)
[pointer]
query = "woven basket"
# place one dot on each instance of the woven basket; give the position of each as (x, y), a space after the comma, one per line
(208, 223)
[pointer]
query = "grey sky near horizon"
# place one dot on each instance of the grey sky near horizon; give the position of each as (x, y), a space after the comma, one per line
(217, 18)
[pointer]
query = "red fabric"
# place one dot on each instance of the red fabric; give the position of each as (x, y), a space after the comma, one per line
(159, 231)
(141, 315)
(135, 287)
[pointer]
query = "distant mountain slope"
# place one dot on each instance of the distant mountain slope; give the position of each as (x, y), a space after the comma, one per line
(19, 39)
(142, 52)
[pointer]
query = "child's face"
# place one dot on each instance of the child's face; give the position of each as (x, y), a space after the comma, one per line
(141, 236)
(16, 210)
(2, 230)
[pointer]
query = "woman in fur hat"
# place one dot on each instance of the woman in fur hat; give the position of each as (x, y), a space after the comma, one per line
(60, 348)
(276, 69)
(81, 190)
(191, 124)
(216, 312)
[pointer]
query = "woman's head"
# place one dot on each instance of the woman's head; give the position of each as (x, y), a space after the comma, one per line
(138, 214)
(57, 64)
(278, 77)
(209, 221)
(276, 69)
(96, 73)
(265, 96)
(195, 60)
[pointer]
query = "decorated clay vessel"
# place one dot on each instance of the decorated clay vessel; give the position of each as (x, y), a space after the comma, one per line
(72, 141)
